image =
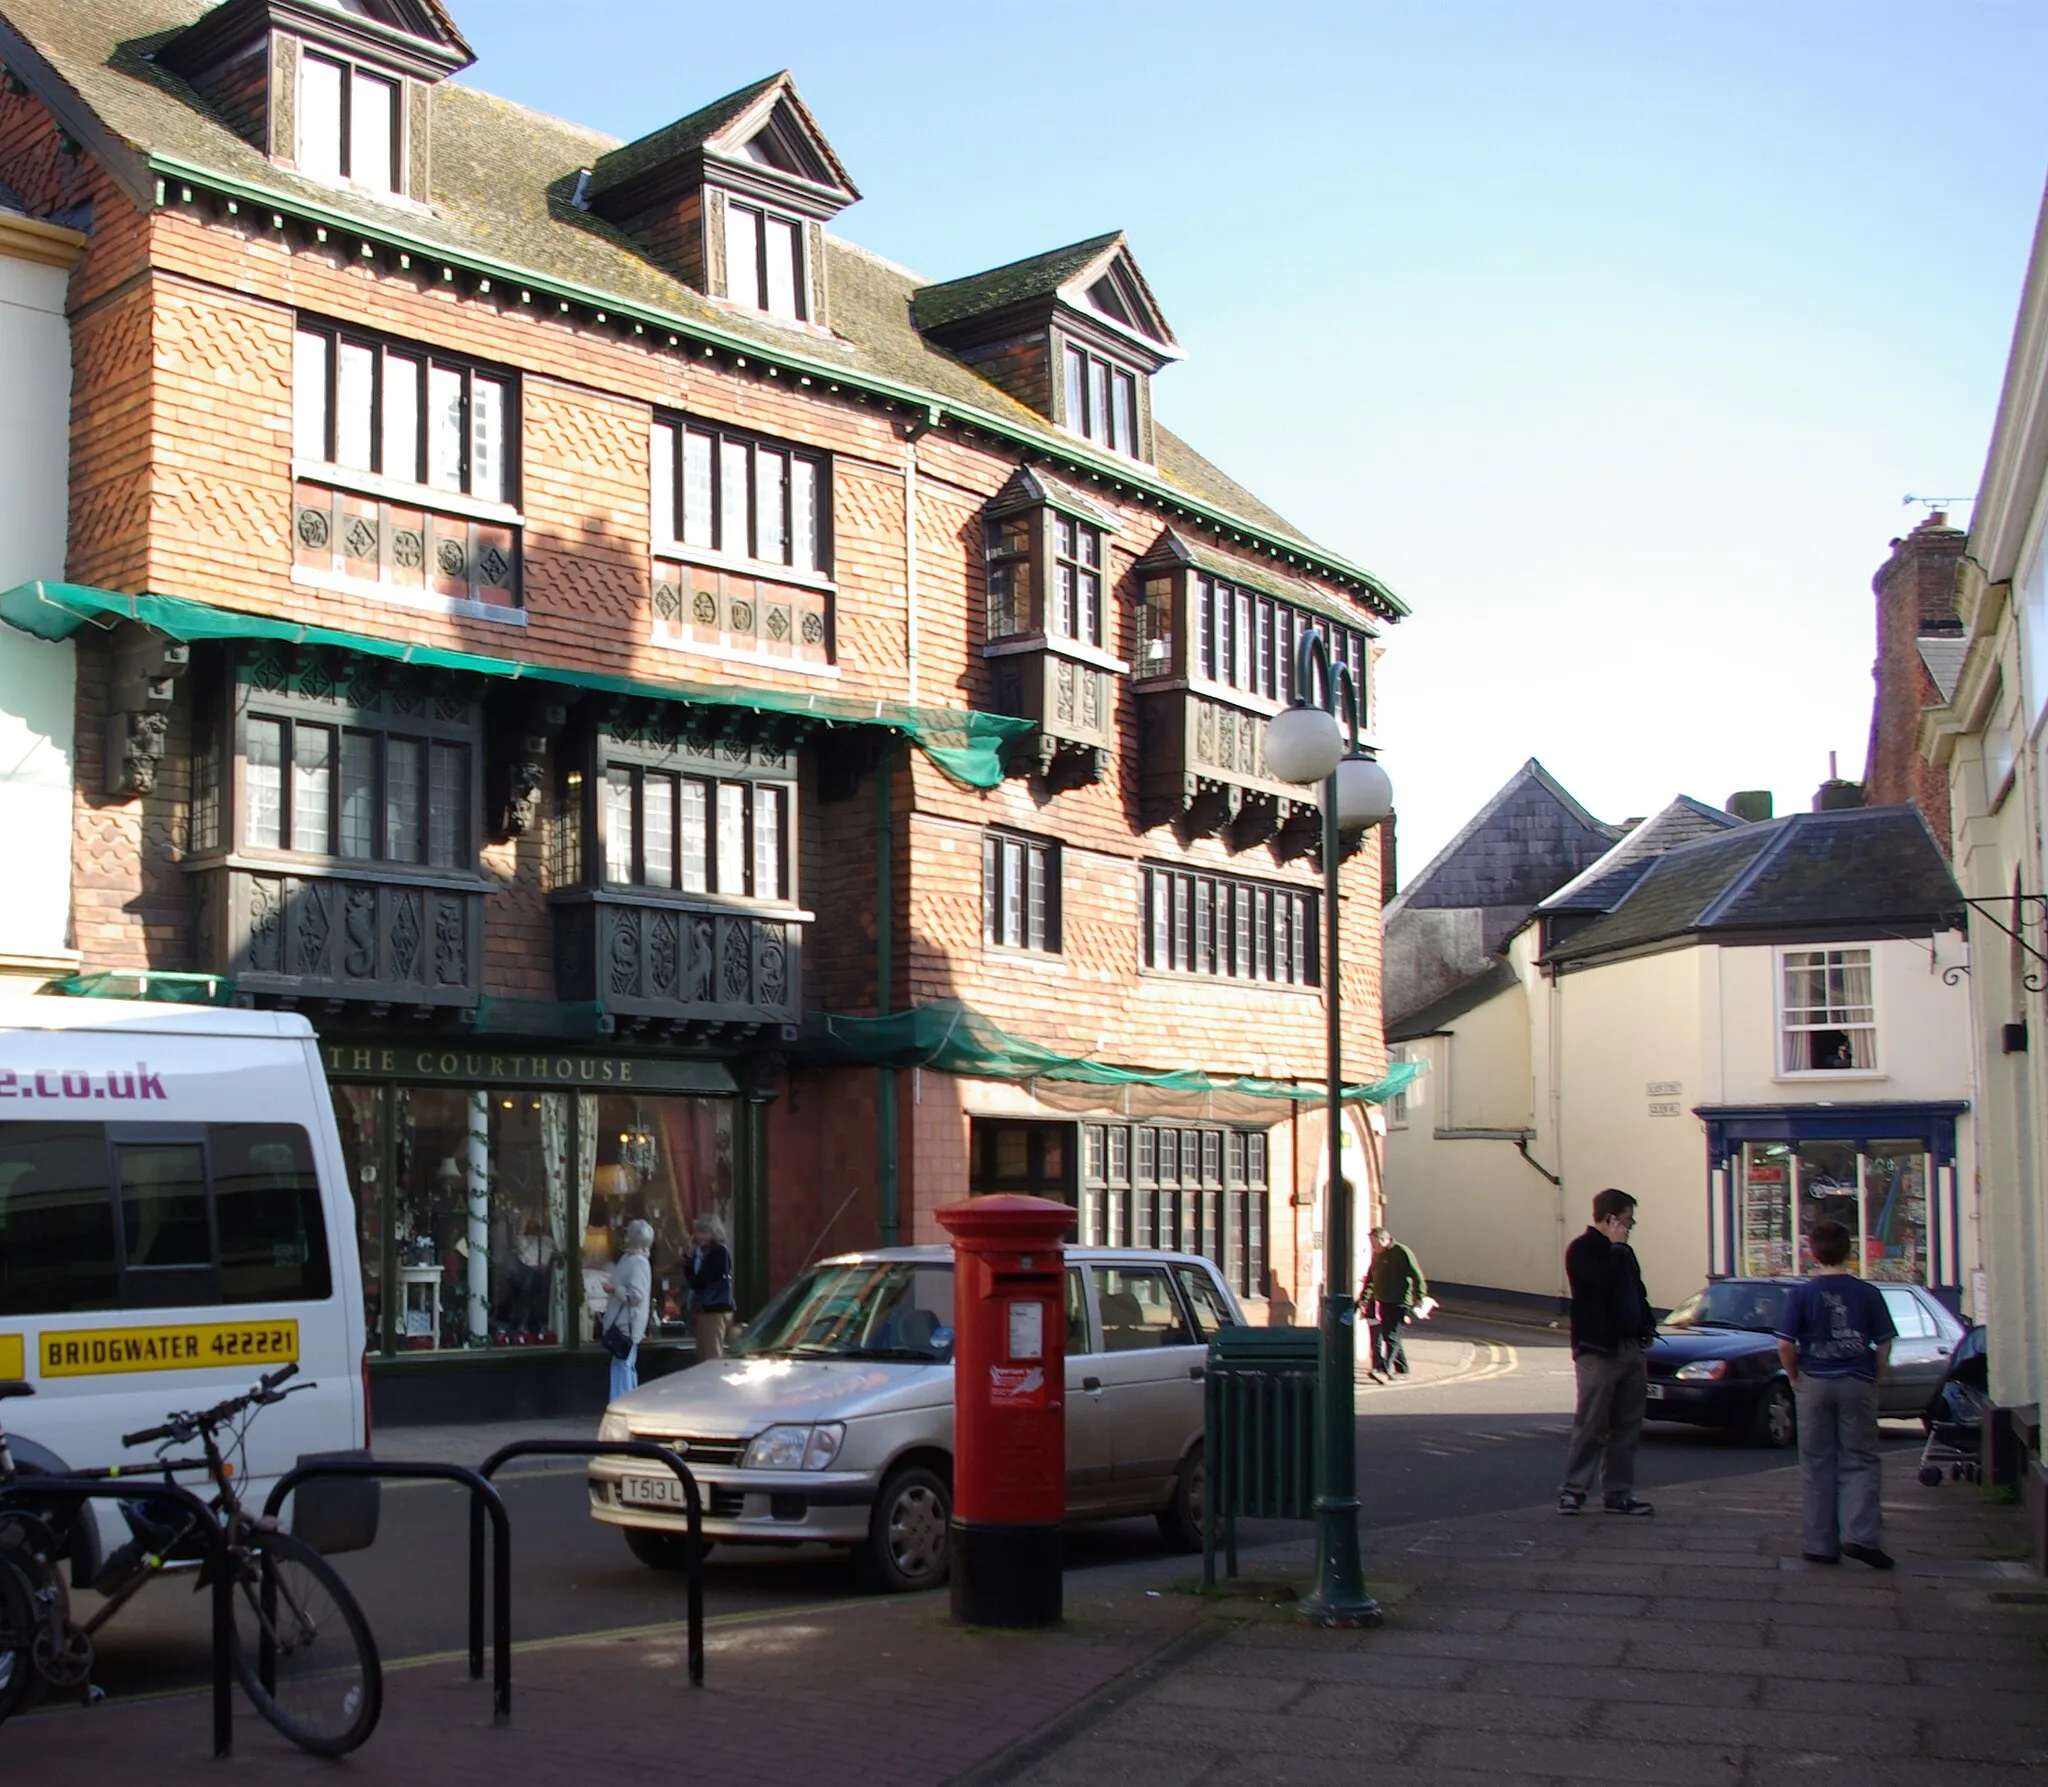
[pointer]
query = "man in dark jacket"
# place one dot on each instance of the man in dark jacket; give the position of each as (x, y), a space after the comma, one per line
(1393, 1286)
(1611, 1326)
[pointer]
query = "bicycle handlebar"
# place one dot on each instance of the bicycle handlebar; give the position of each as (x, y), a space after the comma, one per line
(184, 1427)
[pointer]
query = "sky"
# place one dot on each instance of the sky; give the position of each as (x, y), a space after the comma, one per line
(1610, 336)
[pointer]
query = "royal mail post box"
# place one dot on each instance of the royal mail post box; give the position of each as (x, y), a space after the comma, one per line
(1009, 1408)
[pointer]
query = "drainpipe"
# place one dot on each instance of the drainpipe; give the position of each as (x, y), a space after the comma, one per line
(889, 1213)
(913, 431)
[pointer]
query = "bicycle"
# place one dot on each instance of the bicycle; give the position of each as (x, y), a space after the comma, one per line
(300, 1646)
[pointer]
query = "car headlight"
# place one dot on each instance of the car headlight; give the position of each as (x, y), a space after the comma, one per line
(795, 1448)
(1702, 1369)
(614, 1427)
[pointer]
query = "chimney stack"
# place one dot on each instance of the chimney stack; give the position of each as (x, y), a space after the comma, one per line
(1751, 805)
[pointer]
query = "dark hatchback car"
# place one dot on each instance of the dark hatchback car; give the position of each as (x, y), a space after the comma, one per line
(1714, 1362)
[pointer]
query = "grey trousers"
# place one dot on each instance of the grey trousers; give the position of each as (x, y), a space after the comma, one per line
(1839, 1468)
(1608, 1424)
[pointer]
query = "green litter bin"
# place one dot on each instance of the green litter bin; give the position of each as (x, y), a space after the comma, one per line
(1260, 1451)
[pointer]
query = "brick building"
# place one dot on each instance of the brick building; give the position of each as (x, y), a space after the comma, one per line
(1919, 654)
(588, 636)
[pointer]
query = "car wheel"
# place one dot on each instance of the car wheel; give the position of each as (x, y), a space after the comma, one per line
(907, 1541)
(1777, 1419)
(660, 1550)
(1180, 1521)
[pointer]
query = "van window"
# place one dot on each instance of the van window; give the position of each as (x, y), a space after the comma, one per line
(110, 1216)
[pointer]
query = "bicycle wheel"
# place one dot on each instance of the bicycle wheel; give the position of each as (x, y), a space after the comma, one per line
(327, 1687)
(17, 1638)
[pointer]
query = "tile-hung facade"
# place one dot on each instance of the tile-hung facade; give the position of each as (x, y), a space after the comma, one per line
(566, 620)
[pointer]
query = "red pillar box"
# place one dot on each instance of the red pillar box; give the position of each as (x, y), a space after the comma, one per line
(1009, 1409)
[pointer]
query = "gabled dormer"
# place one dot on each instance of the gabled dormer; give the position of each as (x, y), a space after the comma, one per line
(338, 90)
(733, 200)
(1075, 333)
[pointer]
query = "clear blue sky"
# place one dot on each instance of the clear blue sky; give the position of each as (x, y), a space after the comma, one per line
(1611, 335)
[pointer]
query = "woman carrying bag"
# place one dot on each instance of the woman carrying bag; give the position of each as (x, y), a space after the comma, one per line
(626, 1307)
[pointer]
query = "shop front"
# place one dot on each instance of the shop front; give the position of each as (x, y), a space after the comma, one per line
(1886, 1172)
(493, 1185)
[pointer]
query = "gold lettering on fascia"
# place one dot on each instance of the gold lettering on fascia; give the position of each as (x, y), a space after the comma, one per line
(442, 1064)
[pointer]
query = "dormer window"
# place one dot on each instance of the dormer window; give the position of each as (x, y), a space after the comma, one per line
(764, 262)
(1102, 401)
(348, 125)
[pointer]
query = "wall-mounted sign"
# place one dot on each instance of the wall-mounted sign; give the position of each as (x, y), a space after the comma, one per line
(494, 1067)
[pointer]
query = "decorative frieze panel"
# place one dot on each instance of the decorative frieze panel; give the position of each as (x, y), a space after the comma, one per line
(306, 937)
(648, 962)
(402, 550)
(1073, 703)
(698, 607)
(1202, 765)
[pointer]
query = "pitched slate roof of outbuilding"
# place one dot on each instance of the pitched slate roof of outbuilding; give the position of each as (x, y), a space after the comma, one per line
(1853, 871)
(1439, 1014)
(503, 180)
(1607, 882)
(1514, 850)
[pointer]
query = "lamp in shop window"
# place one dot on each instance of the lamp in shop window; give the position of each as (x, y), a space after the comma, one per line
(637, 1151)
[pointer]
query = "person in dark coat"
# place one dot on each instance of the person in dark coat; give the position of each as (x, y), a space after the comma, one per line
(1393, 1286)
(708, 1273)
(1611, 1325)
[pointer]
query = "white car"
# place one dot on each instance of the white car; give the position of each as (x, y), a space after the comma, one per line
(831, 1420)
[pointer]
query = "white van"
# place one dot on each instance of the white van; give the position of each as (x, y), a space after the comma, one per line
(175, 1222)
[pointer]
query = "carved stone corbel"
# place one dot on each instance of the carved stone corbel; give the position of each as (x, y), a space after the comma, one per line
(144, 677)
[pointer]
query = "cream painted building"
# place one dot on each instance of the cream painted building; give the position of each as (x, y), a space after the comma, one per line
(1748, 1026)
(36, 695)
(1991, 737)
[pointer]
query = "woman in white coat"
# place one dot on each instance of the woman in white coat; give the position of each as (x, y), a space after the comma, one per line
(629, 1302)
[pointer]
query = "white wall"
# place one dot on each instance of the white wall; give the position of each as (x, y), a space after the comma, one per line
(36, 679)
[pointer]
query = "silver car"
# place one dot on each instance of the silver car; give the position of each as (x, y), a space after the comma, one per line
(831, 1420)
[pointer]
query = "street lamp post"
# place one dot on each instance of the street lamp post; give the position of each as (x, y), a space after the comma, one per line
(1306, 745)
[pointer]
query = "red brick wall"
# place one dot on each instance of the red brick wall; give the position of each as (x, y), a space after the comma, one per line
(1915, 591)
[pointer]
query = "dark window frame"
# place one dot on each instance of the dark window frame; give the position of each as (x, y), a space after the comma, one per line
(680, 426)
(1104, 385)
(350, 69)
(1228, 927)
(1176, 1201)
(763, 215)
(1038, 919)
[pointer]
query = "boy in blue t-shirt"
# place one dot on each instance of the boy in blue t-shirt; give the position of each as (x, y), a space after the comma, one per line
(1835, 1338)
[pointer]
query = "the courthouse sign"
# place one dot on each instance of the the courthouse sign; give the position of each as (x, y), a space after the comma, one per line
(499, 1067)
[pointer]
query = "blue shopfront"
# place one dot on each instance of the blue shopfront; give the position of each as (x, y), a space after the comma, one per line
(1886, 1172)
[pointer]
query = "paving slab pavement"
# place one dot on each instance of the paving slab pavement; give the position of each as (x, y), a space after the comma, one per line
(1691, 1648)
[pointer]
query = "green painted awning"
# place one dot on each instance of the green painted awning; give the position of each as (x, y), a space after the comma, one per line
(966, 744)
(151, 984)
(952, 1037)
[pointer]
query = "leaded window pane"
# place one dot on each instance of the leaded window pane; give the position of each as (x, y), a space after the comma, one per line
(743, 256)
(1126, 414)
(309, 395)
(372, 128)
(1205, 634)
(402, 840)
(782, 252)
(734, 535)
(359, 794)
(401, 429)
(1077, 384)
(1098, 401)
(487, 439)
(618, 825)
(768, 846)
(1146, 1149)
(264, 772)
(803, 514)
(697, 511)
(355, 404)
(771, 475)
(696, 875)
(444, 428)
(319, 121)
(732, 837)
(661, 483)
(312, 786)
(657, 829)
(1120, 1154)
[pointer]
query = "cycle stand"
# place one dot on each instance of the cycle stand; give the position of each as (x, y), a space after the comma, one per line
(647, 1449)
(483, 1499)
(178, 1496)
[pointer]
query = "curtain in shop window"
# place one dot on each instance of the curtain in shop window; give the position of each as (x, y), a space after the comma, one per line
(586, 1180)
(554, 1151)
(479, 1214)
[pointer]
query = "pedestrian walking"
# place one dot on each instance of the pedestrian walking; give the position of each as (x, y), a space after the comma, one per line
(1835, 1339)
(1611, 1326)
(708, 1273)
(628, 1302)
(1393, 1286)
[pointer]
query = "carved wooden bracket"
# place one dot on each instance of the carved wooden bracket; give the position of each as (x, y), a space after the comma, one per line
(144, 676)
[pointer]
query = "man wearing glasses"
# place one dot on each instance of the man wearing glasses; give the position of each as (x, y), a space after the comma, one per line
(1611, 1326)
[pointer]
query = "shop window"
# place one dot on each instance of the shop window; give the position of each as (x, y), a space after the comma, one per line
(1020, 892)
(1192, 1190)
(1034, 1158)
(508, 1206)
(1877, 1190)
(94, 1217)
(1829, 1014)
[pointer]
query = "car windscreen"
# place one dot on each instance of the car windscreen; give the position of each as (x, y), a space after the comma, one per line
(1756, 1308)
(863, 1309)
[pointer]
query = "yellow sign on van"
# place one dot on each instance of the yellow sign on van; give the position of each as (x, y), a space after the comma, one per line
(11, 1356)
(97, 1352)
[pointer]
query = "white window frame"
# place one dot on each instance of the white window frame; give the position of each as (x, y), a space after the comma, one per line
(1784, 960)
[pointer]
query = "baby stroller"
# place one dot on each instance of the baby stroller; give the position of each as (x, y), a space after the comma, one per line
(1955, 1416)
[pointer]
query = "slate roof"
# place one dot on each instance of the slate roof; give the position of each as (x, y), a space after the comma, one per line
(1530, 836)
(1608, 881)
(503, 178)
(1035, 276)
(1252, 573)
(617, 166)
(1853, 871)
(1943, 657)
(1440, 1014)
